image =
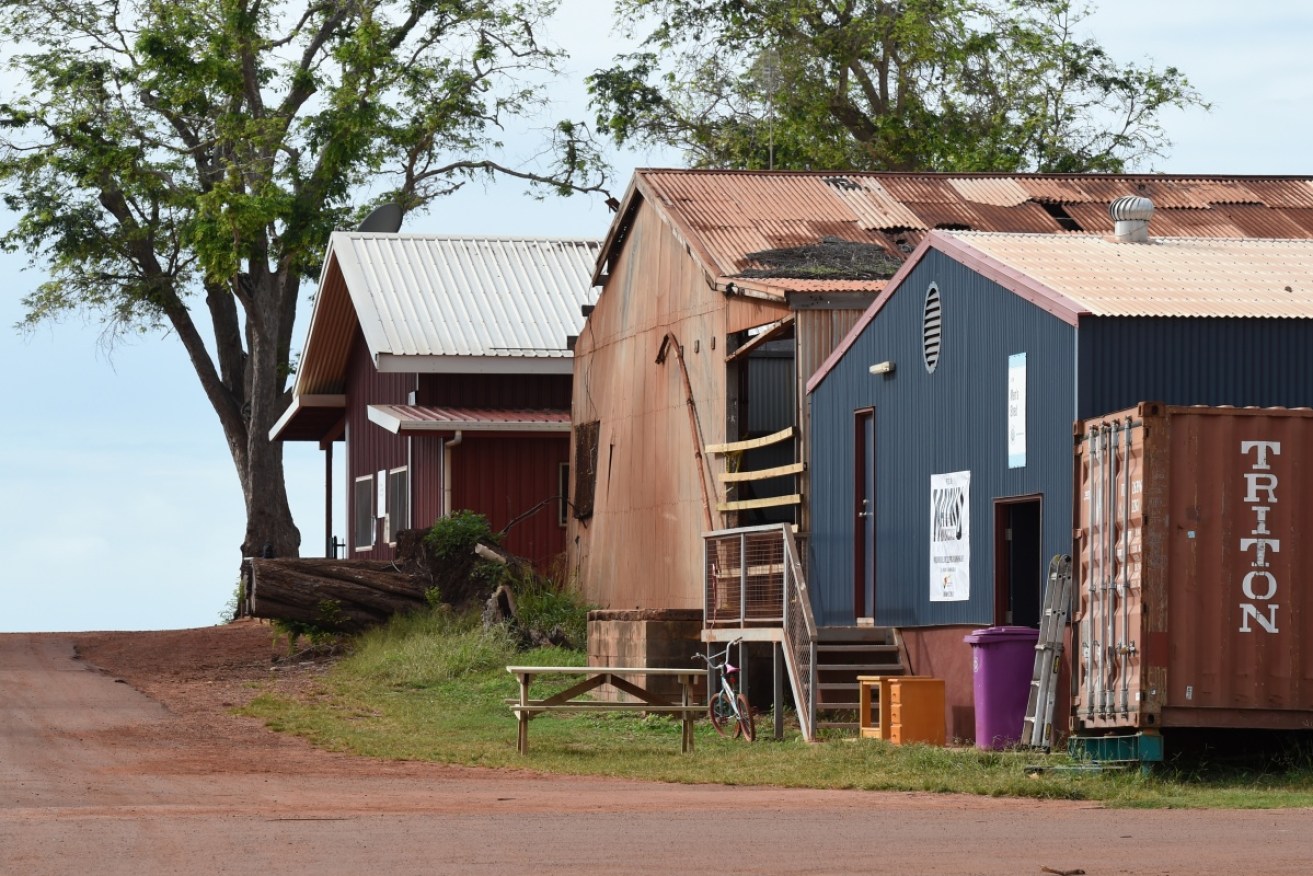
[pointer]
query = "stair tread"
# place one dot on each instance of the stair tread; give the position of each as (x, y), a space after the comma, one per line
(862, 668)
(865, 647)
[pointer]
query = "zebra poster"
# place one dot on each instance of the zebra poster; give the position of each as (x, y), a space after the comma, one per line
(950, 537)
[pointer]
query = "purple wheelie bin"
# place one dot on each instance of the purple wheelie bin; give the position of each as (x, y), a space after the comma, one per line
(1002, 665)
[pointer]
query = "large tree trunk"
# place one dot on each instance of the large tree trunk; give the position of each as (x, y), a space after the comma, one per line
(271, 311)
(244, 381)
(270, 530)
(336, 595)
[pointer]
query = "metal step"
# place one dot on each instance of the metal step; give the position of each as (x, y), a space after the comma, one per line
(855, 648)
(861, 668)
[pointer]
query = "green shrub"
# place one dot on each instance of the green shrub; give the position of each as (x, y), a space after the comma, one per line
(548, 611)
(453, 538)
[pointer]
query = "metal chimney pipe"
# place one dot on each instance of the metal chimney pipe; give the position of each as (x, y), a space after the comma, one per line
(1130, 215)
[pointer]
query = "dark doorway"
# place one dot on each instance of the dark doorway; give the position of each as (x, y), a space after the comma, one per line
(864, 514)
(1018, 561)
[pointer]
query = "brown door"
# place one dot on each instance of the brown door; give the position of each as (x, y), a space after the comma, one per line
(1018, 561)
(864, 514)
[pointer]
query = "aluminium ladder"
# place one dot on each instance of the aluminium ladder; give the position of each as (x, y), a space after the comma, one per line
(1037, 729)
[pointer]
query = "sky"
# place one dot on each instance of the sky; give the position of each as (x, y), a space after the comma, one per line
(114, 477)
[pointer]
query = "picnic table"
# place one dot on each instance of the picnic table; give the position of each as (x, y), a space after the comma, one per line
(594, 677)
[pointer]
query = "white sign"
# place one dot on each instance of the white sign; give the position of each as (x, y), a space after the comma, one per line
(1017, 410)
(950, 537)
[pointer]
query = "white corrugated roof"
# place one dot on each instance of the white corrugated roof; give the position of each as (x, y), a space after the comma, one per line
(465, 297)
(1204, 277)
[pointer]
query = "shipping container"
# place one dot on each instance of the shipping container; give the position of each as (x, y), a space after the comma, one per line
(1194, 544)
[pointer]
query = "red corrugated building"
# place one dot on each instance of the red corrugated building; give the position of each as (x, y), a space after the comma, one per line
(443, 364)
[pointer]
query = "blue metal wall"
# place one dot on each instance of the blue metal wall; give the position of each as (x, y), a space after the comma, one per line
(952, 420)
(1263, 362)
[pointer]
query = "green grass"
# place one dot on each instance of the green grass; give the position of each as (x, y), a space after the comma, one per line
(431, 687)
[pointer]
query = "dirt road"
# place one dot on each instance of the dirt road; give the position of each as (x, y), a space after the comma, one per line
(97, 777)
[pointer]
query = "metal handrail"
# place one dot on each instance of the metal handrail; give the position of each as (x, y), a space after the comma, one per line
(727, 550)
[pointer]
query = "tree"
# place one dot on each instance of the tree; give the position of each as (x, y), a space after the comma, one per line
(947, 85)
(163, 157)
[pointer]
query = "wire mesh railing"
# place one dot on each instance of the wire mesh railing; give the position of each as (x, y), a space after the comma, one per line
(754, 578)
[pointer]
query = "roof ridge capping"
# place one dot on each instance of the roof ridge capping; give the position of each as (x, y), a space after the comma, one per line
(491, 238)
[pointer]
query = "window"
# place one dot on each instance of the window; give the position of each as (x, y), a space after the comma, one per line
(362, 513)
(931, 328)
(586, 436)
(398, 504)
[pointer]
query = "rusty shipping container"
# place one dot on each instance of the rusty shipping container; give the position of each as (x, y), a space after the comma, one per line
(1195, 541)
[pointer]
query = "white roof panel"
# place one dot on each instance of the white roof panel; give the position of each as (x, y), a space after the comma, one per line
(435, 296)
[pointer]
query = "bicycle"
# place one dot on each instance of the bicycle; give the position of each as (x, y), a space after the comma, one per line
(728, 709)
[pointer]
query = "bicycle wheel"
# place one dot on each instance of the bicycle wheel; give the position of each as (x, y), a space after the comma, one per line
(746, 724)
(721, 711)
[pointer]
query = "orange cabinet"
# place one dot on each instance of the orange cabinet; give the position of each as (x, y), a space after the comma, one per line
(902, 708)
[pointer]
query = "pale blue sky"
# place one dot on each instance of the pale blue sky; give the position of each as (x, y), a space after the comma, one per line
(114, 478)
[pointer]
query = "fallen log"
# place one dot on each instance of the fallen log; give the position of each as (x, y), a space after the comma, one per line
(344, 596)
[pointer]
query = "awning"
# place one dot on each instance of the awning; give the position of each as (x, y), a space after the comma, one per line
(400, 419)
(310, 418)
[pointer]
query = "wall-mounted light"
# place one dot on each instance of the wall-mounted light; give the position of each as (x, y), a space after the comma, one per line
(885, 367)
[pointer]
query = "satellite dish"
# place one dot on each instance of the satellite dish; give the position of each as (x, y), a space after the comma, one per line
(385, 219)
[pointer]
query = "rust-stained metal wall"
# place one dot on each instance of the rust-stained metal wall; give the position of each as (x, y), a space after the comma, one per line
(655, 490)
(1193, 555)
(818, 332)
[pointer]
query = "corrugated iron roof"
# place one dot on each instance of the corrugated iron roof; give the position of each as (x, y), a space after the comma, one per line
(725, 215)
(997, 192)
(465, 296)
(442, 303)
(1190, 277)
(421, 418)
(1070, 275)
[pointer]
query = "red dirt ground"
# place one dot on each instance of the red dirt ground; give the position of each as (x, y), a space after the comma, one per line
(95, 777)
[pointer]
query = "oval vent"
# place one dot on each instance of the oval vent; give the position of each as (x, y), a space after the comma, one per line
(931, 325)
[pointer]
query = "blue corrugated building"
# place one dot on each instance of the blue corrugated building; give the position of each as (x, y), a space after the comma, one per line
(942, 428)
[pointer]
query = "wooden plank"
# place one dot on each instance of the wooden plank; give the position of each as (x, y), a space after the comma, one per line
(752, 443)
(747, 504)
(733, 477)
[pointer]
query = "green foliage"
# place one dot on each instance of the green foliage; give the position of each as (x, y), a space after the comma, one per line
(547, 610)
(164, 158)
(453, 537)
(423, 649)
(229, 612)
(946, 85)
(294, 631)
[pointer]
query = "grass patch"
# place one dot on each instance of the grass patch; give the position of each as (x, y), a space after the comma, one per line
(431, 687)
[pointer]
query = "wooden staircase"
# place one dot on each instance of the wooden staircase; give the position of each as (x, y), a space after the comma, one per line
(842, 654)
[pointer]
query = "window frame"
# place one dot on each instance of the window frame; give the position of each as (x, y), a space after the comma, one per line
(398, 482)
(362, 513)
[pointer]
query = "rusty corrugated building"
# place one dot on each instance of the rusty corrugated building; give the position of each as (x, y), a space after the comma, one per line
(722, 292)
(942, 451)
(443, 364)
